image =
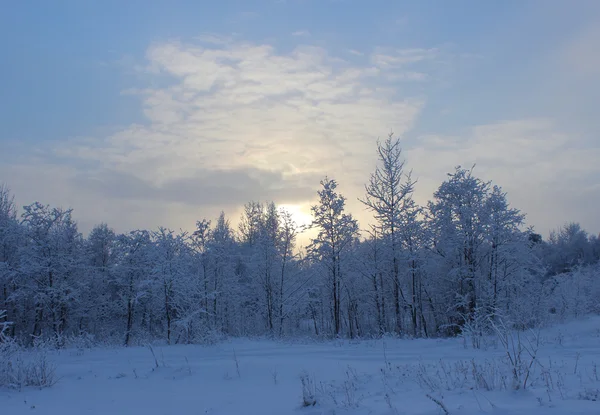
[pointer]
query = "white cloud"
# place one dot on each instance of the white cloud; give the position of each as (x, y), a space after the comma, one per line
(233, 116)
(580, 55)
(246, 105)
(242, 17)
(301, 33)
(400, 58)
(228, 121)
(545, 171)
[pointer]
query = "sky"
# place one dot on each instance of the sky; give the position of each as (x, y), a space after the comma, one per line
(160, 113)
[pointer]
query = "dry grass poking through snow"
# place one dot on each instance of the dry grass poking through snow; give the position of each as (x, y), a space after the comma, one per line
(552, 372)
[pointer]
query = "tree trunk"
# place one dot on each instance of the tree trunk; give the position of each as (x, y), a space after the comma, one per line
(380, 322)
(281, 316)
(129, 321)
(397, 296)
(167, 313)
(413, 305)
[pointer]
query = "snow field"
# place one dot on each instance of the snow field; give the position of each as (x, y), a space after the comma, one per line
(383, 377)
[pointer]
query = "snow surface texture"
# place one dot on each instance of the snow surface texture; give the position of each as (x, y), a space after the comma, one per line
(383, 377)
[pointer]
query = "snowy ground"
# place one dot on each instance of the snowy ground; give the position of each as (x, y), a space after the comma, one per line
(381, 377)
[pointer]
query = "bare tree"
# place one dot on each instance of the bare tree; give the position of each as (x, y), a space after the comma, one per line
(386, 195)
(336, 232)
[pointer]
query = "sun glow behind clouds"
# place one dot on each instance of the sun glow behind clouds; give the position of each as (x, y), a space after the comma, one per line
(208, 122)
(300, 214)
(226, 120)
(239, 121)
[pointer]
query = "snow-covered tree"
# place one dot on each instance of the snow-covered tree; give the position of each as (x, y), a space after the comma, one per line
(197, 316)
(449, 268)
(413, 237)
(288, 295)
(388, 192)
(371, 266)
(98, 297)
(50, 267)
(132, 279)
(487, 261)
(459, 221)
(568, 247)
(337, 231)
(4, 325)
(595, 247)
(10, 239)
(267, 236)
(171, 277)
(225, 295)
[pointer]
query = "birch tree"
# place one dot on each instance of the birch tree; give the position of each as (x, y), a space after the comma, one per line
(459, 222)
(99, 295)
(386, 194)
(10, 239)
(171, 280)
(337, 230)
(132, 277)
(49, 262)
(221, 248)
(287, 241)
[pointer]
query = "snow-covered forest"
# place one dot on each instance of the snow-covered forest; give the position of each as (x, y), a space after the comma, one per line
(202, 213)
(453, 266)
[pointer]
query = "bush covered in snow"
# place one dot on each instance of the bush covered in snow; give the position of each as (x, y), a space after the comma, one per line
(21, 367)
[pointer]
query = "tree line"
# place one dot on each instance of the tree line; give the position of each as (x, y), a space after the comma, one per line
(423, 271)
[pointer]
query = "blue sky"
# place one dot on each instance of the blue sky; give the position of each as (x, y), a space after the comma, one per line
(122, 109)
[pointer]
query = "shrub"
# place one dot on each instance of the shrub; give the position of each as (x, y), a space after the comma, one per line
(21, 368)
(309, 391)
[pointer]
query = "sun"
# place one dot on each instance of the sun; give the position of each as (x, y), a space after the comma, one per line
(300, 213)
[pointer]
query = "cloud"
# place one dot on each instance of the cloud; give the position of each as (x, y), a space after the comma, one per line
(579, 54)
(301, 33)
(242, 17)
(228, 121)
(546, 172)
(242, 105)
(400, 58)
(567, 78)
(232, 187)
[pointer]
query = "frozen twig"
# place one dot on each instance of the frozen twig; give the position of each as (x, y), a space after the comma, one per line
(439, 403)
